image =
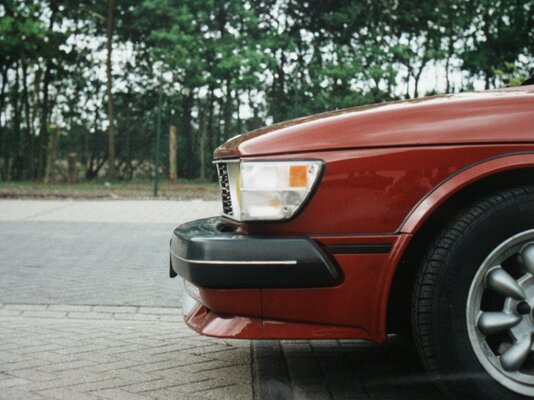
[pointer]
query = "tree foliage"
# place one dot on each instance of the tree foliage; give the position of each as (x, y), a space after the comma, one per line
(226, 67)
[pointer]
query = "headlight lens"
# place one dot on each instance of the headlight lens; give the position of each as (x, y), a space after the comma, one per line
(271, 190)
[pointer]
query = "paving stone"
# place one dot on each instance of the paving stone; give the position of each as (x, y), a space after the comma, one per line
(89, 315)
(23, 365)
(39, 349)
(122, 365)
(85, 377)
(99, 385)
(34, 375)
(159, 310)
(234, 392)
(5, 383)
(67, 394)
(11, 356)
(171, 318)
(136, 317)
(119, 394)
(115, 309)
(81, 347)
(174, 393)
(9, 313)
(25, 307)
(44, 314)
(147, 386)
(66, 366)
(17, 393)
(69, 308)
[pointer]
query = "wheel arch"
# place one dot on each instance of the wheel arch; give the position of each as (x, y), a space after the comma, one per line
(434, 211)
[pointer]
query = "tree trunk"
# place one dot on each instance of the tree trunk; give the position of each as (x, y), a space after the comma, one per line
(17, 165)
(408, 81)
(111, 136)
(35, 112)
(487, 80)
(188, 155)
(43, 133)
(72, 168)
(45, 109)
(417, 77)
(128, 128)
(28, 164)
(227, 112)
(211, 133)
(91, 148)
(52, 152)
(172, 153)
(279, 91)
(202, 128)
(237, 107)
(5, 154)
(450, 52)
(3, 90)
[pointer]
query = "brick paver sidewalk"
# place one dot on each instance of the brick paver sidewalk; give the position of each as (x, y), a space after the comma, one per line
(78, 352)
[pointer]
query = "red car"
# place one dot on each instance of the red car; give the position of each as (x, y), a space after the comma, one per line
(406, 216)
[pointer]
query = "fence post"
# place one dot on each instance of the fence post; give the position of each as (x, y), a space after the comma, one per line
(203, 157)
(172, 153)
(52, 151)
(72, 168)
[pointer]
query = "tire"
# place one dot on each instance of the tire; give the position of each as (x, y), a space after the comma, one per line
(481, 263)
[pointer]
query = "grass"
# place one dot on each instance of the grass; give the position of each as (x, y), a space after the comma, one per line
(180, 189)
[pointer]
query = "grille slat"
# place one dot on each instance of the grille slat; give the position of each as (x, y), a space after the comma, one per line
(224, 183)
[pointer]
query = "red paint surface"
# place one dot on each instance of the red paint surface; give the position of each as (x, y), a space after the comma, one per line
(357, 302)
(372, 191)
(245, 302)
(388, 167)
(466, 118)
(461, 180)
(208, 323)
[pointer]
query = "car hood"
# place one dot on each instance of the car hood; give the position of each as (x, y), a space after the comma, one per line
(499, 116)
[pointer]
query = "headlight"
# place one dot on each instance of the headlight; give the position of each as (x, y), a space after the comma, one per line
(266, 190)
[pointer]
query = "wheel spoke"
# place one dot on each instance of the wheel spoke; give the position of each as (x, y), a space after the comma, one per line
(515, 355)
(528, 257)
(493, 322)
(501, 281)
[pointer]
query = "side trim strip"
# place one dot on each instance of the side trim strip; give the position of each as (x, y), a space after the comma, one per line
(359, 248)
(225, 262)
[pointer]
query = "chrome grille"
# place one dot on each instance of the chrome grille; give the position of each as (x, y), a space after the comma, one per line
(222, 173)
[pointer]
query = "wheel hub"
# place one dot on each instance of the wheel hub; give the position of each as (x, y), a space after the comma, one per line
(523, 308)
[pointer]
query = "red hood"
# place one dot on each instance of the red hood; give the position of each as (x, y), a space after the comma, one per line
(500, 116)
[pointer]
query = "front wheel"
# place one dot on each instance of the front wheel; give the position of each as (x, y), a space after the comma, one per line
(473, 303)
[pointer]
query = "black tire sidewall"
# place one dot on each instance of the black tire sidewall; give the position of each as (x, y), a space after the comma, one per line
(487, 231)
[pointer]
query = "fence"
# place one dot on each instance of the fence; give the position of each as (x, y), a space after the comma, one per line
(152, 140)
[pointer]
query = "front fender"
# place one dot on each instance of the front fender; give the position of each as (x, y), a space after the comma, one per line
(462, 179)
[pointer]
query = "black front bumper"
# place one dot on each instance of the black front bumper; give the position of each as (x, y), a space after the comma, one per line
(210, 258)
